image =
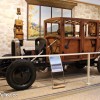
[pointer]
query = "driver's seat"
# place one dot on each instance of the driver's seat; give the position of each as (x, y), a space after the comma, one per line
(40, 44)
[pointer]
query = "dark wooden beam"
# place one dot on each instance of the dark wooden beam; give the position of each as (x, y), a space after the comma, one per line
(53, 3)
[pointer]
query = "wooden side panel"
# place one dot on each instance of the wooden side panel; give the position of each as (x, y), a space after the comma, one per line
(89, 46)
(54, 48)
(71, 46)
(99, 45)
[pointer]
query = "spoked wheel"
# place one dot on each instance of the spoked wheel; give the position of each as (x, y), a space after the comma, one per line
(53, 44)
(21, 74)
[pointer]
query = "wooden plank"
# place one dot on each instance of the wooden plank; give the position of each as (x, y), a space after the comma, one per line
(58, 86)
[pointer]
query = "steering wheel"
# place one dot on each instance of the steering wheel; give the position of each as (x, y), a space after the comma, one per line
(53, 44)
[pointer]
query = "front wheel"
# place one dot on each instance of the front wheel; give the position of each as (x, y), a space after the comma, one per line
(21, 74)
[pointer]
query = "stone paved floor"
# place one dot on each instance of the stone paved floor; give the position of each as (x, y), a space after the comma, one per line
(75, 88)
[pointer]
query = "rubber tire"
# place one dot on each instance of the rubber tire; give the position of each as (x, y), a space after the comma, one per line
(21, 63)
(98, 65)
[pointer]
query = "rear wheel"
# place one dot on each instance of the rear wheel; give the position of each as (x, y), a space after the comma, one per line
(98, 65)
(21, 74)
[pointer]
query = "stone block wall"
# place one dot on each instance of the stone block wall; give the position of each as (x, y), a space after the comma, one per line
(87, 11)
(8, 16)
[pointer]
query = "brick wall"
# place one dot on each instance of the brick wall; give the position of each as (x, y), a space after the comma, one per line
(8, 15)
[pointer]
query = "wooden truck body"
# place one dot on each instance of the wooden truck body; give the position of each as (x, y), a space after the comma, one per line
(75, 36)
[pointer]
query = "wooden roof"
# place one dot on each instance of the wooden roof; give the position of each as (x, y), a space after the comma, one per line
(68, 4)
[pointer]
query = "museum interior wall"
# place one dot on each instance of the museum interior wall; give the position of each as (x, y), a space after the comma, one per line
(88, 11)
(7, 19)
(8, 16)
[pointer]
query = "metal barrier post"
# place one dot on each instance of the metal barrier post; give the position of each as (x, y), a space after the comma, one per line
(88, 70)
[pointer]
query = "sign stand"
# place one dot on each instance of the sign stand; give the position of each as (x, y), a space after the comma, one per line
(56, 67)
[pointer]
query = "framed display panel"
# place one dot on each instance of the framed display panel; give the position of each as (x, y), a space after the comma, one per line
(33, 21)
(36, 16)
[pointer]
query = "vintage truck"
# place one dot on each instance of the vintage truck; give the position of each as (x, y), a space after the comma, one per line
(61, 36)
